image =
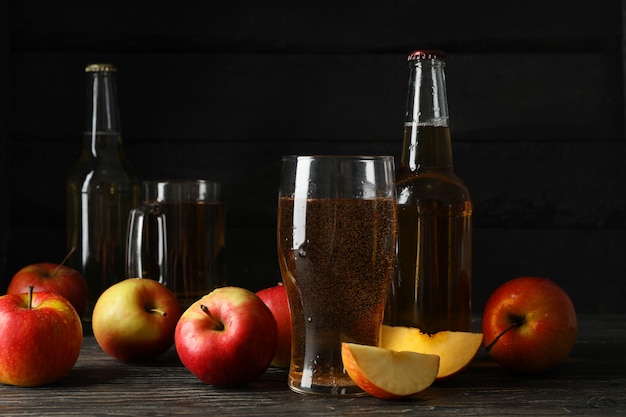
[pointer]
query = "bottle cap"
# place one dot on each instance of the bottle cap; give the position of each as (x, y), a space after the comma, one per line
(100, 68)
(426, 54)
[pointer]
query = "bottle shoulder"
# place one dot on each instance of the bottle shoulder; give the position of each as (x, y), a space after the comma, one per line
(442, 187)
(91, 171)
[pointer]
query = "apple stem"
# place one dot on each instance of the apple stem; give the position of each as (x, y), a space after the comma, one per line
(30, 296)
(517, 322)
(217, 325)
(56, 270)
(156, 310)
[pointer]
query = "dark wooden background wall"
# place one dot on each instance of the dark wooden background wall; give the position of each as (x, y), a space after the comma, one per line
(223, 90)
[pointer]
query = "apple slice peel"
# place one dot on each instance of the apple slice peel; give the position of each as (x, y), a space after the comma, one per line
(389, 374)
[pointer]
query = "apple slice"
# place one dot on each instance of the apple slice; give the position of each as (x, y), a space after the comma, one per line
(388, 374)
(456, 349)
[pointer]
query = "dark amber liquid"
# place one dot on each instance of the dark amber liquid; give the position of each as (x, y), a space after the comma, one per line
(337, 259)
(99, 236)
(195, 242)
(100, 194)
(432, 286)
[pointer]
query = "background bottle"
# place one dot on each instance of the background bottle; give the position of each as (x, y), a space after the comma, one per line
(101, 189)
(432, 286)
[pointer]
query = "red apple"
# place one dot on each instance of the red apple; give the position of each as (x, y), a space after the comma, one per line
(227, 338)
(529, 325)
(40, 338)
(134, 319)
(276, 299)
(50, 277)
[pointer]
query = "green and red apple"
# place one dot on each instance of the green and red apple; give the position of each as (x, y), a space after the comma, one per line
(275, 298)
(134, 319)
(529, 325)
(227, 338)
(40, 338)
(51, 277)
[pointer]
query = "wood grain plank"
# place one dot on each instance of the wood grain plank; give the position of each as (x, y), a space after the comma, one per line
(590, 382)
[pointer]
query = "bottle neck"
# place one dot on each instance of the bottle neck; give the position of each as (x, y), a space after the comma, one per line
(427, 144)
(102, 124)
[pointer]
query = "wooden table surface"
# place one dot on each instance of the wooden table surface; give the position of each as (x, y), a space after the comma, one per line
(592, 382)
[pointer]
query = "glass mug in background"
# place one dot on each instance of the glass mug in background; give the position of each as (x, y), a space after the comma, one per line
(337, 252)
(177, 237)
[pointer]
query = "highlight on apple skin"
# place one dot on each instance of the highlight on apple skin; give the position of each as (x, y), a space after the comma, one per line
(529, 325)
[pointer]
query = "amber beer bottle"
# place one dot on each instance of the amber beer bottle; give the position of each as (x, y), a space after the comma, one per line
(432, 286)
(101, 189)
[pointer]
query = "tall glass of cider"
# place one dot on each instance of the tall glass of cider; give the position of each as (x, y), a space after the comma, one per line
(337, 252)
